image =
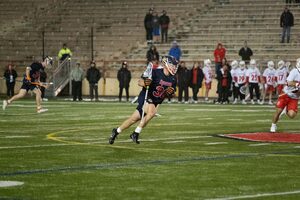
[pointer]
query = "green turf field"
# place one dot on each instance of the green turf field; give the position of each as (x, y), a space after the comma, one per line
(64, 153)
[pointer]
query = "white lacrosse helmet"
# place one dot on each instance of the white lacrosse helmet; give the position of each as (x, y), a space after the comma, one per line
(271, 64)
(280, 64)
(242, 64)
(298, 64)
(234, 64)
(207, 63)
(252, 63)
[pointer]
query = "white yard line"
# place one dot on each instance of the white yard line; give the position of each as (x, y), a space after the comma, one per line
(175, 141)
(258, 195)
(215, 143)
(260, 144)
(16, 136)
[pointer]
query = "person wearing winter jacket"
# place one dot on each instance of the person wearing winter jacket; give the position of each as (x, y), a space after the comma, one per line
(124, 78)
(93, 76)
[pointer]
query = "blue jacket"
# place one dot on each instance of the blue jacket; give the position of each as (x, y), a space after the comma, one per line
(175, 52)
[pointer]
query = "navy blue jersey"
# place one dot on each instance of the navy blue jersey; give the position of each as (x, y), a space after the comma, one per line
(160, 82)
(156, 93)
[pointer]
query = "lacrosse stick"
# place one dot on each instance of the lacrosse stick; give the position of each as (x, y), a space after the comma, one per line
(42, 84)
(147, 74)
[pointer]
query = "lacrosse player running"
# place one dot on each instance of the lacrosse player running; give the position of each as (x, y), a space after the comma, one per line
(288, 100)
(240, 80)
(269, 82)
(253, 78)
(31, 82)
(208, 75)
(157, 85)
(235, 86)
(281, 75)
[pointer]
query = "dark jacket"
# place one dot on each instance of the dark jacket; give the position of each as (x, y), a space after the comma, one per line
(245, 53)
(184, 77)
(43, 76)
(164, 21)
(7, 74)
(93, 75)
(148, 21)
(124, 77)
(221, 79)
(200, 77)
(286, 19)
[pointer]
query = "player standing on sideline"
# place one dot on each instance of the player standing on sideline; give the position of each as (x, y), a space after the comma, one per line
(240, 79)
(208, 76)
(31, 82)
(281, 75)
(253, 78)
(269, 81)
(161, 84)
(235, 86)
(288, 100)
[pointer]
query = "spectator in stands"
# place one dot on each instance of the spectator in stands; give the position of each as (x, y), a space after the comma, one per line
(124, 77)
(148, 26)
(219, 54)
(64, 53)
(156, 28)
(43, 78)
(10, 76)
(164, 21)
(286, 22)
(93, 76)
(152, 54)
(183, 81)
(77, 75)
(224, 84)
(175, 51)
(196, 80)
(245, 53)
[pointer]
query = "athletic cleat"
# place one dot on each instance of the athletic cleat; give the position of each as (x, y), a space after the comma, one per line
(5, 104)
(244, 102)
(270, 103)
(273, 128)
(135, 137)
(41, 110)
(113, 136)
(252, 101)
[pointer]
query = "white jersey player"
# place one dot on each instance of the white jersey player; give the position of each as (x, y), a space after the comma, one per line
(269, 81)
(288, 100)
(281, 75)
(253, 78)
(235, 86)
(240, 79)
(208, 76)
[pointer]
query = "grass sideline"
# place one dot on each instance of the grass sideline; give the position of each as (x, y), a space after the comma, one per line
(64, 153)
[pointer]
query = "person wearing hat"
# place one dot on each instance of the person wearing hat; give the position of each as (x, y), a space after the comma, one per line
(175, 51)
(64, 53)
(77, 75)
(93, 76)
(124, 77)
(148, 26)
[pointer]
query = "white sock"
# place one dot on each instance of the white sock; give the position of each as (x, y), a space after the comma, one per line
(119, 130)
(273, 124)
(138, 129)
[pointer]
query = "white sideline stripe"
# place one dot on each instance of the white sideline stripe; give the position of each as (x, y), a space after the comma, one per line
(297, 147)
(175, 141)
(261, 144)
(258, 195)
(10, 183)
(215, 143)
(16, 136)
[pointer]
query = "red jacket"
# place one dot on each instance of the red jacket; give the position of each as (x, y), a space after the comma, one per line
(219, 54)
